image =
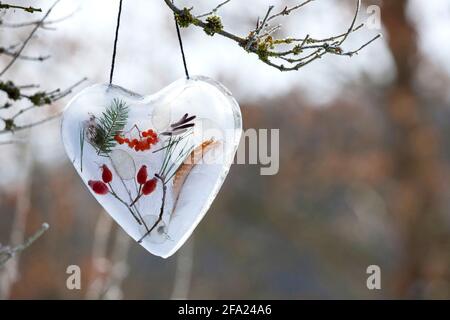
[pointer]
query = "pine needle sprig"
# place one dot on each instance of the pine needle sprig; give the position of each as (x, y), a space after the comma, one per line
(111, 123)
(82, 135)
(171, 159)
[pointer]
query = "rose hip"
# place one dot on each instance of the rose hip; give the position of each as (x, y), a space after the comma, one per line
(106, 174)
(99, 187)
(142, 175)
(149, 186)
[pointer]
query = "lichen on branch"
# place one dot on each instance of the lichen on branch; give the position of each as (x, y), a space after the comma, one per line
(29, 9)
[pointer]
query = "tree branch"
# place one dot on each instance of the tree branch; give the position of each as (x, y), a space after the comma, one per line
(38, 99)
(271, 50)
(7, 253)
(26, 9)
(7, 52)
(24, 44)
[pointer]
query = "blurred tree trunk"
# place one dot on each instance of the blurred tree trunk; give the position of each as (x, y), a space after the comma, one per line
(10, 274)
(415, 197)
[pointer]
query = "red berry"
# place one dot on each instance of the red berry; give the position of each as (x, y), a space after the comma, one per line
(142, 175)
(107, 175)
(99, 187)
(149, 186)
(142, 145)
(144, 134)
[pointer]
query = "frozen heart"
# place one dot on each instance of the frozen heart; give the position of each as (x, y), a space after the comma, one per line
(155, 163)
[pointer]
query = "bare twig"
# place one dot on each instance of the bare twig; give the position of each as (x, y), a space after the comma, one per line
(213, 11)
(14, 92)
(125, 204)
(286, 11)
(24, 44)
(161, 211)
(7, 52)
(351, 53)
(259, 27)
(28, 86)
(31, 125)
(358, 6)
(7, 253)
(43, 24)
(53, 96)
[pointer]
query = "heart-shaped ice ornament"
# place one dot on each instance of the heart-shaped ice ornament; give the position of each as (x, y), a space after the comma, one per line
(154, 163)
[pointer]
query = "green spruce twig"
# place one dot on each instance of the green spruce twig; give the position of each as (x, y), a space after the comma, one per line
(111, 123)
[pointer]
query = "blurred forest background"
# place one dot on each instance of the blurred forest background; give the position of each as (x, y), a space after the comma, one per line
(364, 158)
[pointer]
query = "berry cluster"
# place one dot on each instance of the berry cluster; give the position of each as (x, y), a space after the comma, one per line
(145, 141)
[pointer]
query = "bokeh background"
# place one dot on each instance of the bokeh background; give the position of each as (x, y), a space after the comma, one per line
(364, 158)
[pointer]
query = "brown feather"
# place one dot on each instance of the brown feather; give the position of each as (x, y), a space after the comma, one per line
(194, 158)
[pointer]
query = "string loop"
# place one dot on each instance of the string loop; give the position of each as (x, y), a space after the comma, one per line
(116, 37)
(111, 74)
(181, 48)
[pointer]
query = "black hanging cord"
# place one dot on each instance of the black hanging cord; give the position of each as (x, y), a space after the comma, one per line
(181, 49)
(115, 43)
(117, 37)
